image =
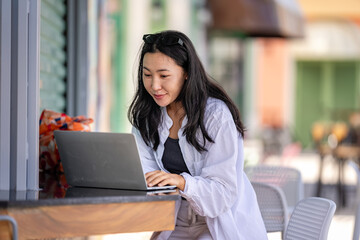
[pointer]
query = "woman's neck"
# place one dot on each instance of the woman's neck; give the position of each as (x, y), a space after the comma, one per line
(177, 113)
(175, 110)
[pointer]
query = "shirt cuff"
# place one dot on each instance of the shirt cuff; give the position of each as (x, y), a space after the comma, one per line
(187, 193)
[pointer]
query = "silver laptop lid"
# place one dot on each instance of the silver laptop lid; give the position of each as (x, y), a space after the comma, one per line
(98, 159)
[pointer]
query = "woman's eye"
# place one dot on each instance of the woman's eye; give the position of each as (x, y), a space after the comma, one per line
(147, 75)
(164, 76)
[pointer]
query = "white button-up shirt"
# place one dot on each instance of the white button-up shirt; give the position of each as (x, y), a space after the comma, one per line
(217, 187)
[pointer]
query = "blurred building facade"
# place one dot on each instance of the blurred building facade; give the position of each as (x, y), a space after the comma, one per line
(290, 83)
(316, 78)
(327, 64)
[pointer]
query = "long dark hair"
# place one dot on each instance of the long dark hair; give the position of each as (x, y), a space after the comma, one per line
(145, 115)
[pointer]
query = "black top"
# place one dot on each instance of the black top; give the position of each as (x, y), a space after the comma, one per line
(173, 159)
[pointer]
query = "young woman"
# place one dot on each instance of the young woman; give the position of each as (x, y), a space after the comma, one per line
(190, 135)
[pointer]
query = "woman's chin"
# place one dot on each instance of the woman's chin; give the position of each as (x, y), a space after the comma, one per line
(161, 103)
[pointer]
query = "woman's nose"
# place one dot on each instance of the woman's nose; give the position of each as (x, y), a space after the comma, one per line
(155, 84)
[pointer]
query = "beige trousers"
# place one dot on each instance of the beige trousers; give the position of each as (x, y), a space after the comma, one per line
(189, 225)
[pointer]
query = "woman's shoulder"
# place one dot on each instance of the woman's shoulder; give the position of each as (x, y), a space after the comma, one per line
(216, 109)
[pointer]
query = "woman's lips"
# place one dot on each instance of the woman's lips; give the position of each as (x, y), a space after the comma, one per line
(159, 96)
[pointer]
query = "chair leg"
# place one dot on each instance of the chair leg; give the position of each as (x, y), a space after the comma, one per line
(356, 233)
(341, 186)
(319, 184)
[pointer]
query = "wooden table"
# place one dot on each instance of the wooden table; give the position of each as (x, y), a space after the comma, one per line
(86, 212)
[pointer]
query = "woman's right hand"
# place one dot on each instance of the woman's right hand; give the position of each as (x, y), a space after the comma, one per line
(161, 178)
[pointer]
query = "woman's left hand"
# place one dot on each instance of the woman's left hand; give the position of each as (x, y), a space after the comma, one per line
(161, 178)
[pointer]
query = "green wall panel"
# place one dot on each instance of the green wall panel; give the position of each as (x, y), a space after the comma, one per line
(308, 99)
(345, 94)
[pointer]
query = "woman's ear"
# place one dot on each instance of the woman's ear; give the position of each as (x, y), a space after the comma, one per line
(185, 76)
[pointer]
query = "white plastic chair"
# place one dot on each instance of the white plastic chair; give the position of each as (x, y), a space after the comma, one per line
(287, 178)
(273, 207)
(310, 219)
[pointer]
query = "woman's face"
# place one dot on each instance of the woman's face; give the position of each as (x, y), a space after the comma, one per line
(162, 77)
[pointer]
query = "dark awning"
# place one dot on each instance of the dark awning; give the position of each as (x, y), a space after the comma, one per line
(258, 18)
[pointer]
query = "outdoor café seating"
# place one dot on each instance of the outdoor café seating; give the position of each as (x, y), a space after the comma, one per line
(273, 206)
(310, 219)
(340, 141)
(287, 178)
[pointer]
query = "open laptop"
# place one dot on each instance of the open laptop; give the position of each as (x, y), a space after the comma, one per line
(102, 160)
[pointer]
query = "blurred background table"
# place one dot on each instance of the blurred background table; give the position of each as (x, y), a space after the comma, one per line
(341, 154)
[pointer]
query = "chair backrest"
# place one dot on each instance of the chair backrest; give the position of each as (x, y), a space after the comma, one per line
(273, 207)
(287, 178)
(310, 219)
